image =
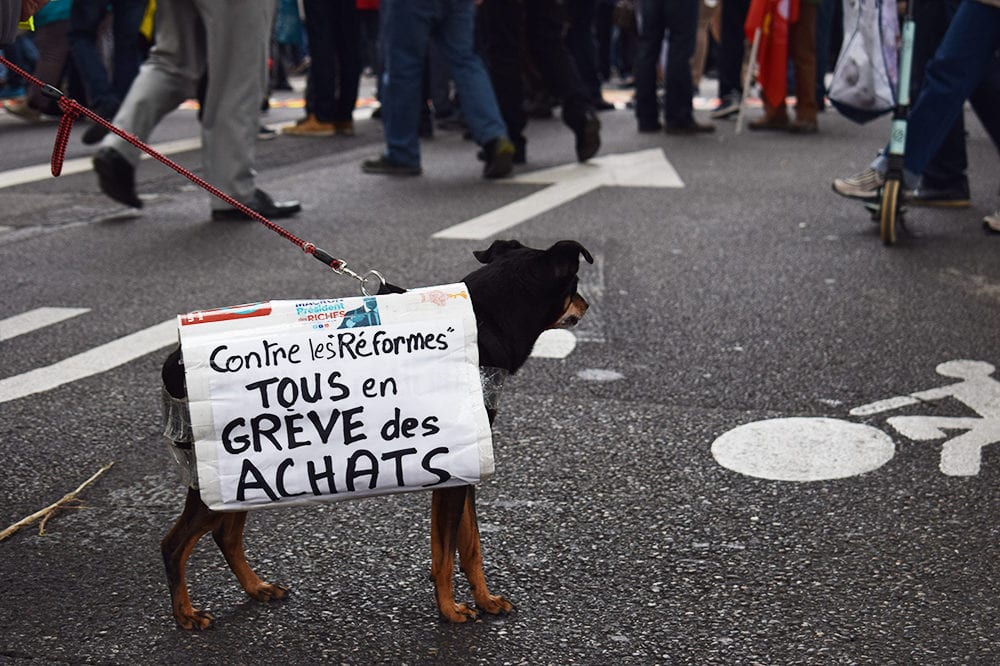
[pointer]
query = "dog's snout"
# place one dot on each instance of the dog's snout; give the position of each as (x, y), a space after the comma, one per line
(575, 310)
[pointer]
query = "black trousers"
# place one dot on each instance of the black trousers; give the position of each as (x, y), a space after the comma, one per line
(513, 32)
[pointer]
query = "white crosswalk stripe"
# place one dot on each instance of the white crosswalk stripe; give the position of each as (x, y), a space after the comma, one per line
(32, 320)
(97, 360)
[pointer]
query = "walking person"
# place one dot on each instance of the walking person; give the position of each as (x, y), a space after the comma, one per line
(228, 40)
(333, 28)
(408, 27)
(678, 21)
(731, 52)
(515, 34)
(964, 60)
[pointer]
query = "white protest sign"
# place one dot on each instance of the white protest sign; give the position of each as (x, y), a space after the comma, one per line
(298, 402)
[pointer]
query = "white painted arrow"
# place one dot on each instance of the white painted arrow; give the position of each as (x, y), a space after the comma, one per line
(645, 168)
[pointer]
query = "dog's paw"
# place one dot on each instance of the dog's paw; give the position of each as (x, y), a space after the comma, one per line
(494, 604)
(458, 613)
(268, 592)
(193, 619)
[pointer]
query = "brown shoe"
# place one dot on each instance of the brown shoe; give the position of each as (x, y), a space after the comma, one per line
(767, 123)
(310, 126)
(343, 128)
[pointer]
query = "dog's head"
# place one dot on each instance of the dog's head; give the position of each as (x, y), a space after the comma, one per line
(520, 292)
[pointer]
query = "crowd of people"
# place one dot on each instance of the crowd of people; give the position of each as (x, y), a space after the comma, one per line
(484, 66)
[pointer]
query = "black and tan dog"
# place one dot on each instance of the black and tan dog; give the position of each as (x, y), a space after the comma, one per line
(516, 295)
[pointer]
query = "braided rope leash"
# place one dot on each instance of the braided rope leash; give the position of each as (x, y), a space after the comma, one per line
(71, 110)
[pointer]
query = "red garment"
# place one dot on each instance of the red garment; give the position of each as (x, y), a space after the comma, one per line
(368, 5)
(772, 18)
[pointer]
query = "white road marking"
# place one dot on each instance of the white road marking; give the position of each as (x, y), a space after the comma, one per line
(803, 449)
(32, 174)
(554, 343)
(600, 375)
(11, 327)
(811, 449)
(645, 168)
(97, 360)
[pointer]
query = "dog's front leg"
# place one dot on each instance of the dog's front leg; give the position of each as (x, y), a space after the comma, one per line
(447, 505)
(470, 557)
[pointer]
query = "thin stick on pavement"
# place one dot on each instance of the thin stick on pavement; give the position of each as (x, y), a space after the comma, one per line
(47, 512)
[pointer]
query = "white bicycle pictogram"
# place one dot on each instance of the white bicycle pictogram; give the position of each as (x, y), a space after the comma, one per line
(821, 448)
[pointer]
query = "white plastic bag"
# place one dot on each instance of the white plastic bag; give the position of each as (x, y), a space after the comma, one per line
(864, 79)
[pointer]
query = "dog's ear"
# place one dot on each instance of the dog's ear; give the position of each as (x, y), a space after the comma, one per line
(496, 249)
(567, 253)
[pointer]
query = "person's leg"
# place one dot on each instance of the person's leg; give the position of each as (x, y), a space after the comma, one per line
(960, 64)
(802, 48)
(824, 25)
(236, 47)
(53, 52)
(85, 17)
(700, 54)
(127, 17)
(348, 47)
(479, 104)
(651, 31)
(731, 38)
(406, 29)
(944, 180)
(320, 23)
(582, 46)
(543, 25)
(985, 101)
(169, 76)
(603, 25)
(502, 25)
(682, 23)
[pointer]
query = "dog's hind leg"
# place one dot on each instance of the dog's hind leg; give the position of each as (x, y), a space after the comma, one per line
(229, 537)
(470, 556)
(195, 521)
(447, 506)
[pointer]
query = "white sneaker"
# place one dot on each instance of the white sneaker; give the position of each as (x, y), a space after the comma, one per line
(992, 222)
(864, 185)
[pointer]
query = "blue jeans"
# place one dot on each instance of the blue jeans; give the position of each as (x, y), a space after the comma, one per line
(105, 92)
(409, 26)
(960, 64)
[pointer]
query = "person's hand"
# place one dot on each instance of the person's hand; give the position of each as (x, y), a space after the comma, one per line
(29, 7)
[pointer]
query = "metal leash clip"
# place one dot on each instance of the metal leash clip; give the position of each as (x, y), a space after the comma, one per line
(371, 282)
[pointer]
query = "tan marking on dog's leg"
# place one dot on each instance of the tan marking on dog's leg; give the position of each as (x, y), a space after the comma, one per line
(195, 521)
(471, 558)
(447, 505)
(229, 537)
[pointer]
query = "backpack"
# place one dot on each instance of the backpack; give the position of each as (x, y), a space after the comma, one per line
(865, 76)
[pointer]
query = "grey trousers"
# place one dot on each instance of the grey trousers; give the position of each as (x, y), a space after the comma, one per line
(228, 40)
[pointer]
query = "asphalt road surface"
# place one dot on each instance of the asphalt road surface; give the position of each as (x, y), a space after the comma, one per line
(772, 440)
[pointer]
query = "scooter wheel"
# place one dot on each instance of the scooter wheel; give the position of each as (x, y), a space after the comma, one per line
(889, 211)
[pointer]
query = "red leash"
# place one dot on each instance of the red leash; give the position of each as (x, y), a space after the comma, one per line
(72, 110)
